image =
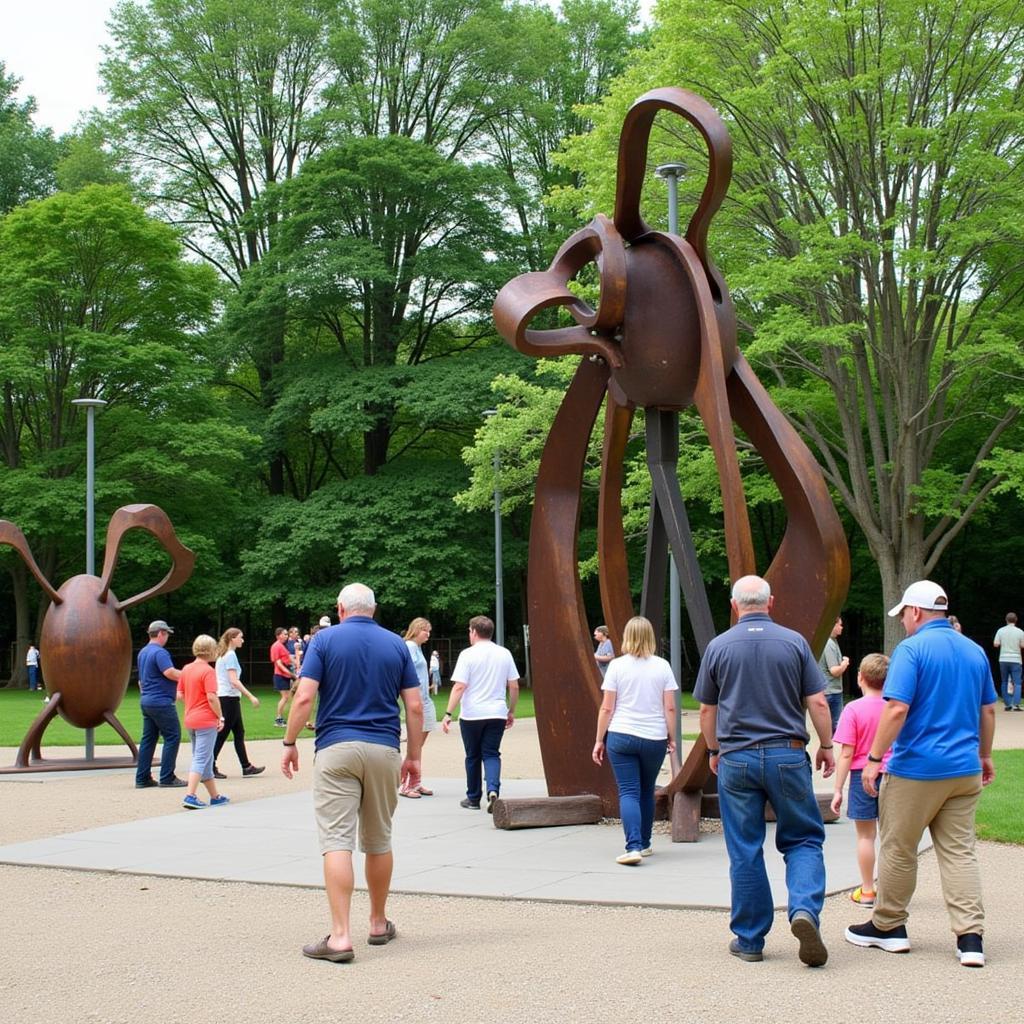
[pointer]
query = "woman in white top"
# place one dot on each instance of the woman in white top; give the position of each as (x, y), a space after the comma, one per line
(416, 635)
(229, 692)
(635, 725)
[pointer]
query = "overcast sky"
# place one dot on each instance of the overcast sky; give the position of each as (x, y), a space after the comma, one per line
(53, 46)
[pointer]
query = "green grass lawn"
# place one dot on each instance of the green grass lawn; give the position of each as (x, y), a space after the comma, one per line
(19, 707)
(999, 815)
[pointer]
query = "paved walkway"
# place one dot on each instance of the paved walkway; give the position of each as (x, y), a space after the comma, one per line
(442, 849)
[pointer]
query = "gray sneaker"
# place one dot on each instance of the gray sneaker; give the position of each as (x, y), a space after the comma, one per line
(749, 955)
(812, 948)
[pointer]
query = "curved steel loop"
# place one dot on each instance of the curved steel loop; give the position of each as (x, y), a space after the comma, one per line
(636, 131)
(525, 296)
(155, 521)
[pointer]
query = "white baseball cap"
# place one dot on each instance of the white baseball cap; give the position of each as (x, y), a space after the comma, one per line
(922, 594)
(325, 620)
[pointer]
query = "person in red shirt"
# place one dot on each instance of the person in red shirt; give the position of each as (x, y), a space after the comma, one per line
(284, 673)
(197, 687)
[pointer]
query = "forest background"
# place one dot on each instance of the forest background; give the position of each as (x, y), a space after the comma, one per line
(274, 257)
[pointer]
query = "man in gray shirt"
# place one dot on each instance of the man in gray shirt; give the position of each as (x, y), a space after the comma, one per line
(755, 684)
(833, 665)
(1009, 640)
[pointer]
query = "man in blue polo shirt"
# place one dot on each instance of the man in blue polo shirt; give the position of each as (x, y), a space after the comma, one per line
(158, 686)
(939, 719)
(360, 671)
(757, 683)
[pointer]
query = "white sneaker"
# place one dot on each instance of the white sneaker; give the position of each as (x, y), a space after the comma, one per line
(629, 857)
(647, 852)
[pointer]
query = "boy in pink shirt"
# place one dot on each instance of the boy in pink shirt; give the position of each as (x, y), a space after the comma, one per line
(855, 733)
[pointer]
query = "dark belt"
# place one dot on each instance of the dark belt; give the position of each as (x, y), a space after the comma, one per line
(791, 744)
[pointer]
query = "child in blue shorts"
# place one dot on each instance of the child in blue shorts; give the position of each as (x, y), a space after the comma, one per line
(855, 733)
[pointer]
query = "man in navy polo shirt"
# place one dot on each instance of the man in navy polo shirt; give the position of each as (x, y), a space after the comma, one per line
(757, 681)
(939, 718)
(360, 671)
(158, 685)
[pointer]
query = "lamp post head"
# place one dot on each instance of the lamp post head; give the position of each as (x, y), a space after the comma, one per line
(671, 170)
(89, 403)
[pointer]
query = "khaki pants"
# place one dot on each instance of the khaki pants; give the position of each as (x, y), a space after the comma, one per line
(355, 782)
(946, 807)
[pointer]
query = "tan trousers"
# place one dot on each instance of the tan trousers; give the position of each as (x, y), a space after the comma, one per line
(946, 807)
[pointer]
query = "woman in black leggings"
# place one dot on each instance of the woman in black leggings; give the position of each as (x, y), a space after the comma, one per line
(230, 690)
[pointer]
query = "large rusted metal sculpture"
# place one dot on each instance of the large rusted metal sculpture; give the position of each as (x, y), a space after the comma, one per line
(86, 642)
(662, 338)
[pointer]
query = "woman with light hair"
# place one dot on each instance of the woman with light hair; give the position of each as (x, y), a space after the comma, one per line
(197, 687)
(230, 692)
(635, 725)
(416, 636)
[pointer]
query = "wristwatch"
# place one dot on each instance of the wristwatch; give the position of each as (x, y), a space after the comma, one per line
(874, 760)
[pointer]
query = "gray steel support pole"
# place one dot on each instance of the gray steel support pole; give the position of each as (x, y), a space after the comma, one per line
(90, 405)
(499, 591)
(672, 173)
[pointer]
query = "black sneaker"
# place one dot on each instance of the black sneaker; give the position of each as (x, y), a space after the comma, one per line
(217, 773)
(145, 783)
(173, 783)
(892, 941)
(469, 804)
(253, 770)
(969, 950)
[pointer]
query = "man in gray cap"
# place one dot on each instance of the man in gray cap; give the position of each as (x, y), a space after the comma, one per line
(158, 685)
(939, 719)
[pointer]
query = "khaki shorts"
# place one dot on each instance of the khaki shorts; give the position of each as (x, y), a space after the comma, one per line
(355, 781)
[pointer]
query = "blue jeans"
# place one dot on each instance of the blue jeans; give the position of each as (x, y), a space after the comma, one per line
(481, 738)
(158, 720)
(1010, 670)
(835, 707)
(636, 762)
(33, 677)
(746, 779)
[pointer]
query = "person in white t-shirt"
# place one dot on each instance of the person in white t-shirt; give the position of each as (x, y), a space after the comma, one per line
(482, 673)
(635, 725)
(1010, 640)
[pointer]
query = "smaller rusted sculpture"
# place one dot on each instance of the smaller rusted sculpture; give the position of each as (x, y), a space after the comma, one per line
(86, 641)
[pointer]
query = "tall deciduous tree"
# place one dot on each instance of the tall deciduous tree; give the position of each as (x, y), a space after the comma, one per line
(27, 154)
(872, 235)
(217, 101)
(97, 300)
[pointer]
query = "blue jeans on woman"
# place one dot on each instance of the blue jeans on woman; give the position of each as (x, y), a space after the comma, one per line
(636, 762)
(746, 779)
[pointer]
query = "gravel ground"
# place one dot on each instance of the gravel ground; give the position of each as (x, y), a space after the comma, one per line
(115, 949)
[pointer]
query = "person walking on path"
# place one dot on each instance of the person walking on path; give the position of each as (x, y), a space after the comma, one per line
(482, 673)
(1009, 640)
(604, 652)
(230, 692)
(197, 687)
(416, 636)
(635, 725)
(939, 720)
(284, 673)
(854, 737)
(359, 670)
(757, 682)
(833, 666)
(435, 671)
(158, 686)
(32, 664)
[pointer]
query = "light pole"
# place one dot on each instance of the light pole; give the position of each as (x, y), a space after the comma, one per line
(672, 173)
(499, 594)
(90, 405)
